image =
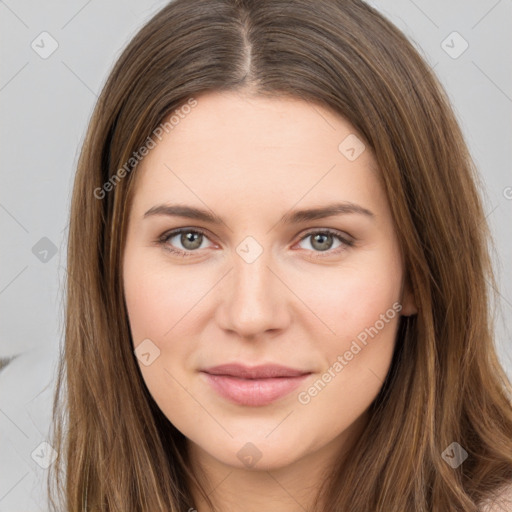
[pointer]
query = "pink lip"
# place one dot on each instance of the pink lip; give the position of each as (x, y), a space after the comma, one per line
(253, 386)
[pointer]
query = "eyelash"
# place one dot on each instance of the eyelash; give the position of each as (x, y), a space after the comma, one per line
(163, 239)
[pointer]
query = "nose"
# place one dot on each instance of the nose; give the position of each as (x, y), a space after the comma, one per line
(253, 299)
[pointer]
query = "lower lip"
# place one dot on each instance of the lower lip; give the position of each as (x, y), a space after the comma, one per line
(253, 392)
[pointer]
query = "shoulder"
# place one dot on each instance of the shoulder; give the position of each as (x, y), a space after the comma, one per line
(502, 502)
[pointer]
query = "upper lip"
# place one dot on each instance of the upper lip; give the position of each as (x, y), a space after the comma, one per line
(264, 371)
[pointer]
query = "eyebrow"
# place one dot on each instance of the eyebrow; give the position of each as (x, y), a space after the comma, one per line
(293, 217)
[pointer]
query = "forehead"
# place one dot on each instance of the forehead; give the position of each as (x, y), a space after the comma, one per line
(241, 124)
(258, 150)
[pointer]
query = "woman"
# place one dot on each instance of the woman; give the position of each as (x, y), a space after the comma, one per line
(278, 290)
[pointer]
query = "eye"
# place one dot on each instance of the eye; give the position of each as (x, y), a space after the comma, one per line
(322, 241)
(190, 239)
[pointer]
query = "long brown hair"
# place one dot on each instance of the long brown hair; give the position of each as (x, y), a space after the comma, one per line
(116, 449)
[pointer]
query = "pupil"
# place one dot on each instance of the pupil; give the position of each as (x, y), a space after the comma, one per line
(189, 238)
(320, 236)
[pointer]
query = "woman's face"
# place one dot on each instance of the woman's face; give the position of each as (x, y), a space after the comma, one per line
(316, 292)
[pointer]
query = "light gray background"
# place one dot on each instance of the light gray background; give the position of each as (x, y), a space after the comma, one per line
(45, 107)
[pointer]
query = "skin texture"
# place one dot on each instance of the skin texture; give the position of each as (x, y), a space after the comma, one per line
(250, 160)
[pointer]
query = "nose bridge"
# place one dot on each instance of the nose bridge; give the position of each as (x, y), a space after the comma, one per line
(251, 304)
(252, 275)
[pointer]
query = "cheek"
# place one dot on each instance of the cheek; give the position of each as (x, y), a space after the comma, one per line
(356, 365)
(156, 304)
(360, 305)
(351, 298)
(156, 298)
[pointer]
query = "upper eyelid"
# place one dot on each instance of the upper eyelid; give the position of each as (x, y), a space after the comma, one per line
(173, 232)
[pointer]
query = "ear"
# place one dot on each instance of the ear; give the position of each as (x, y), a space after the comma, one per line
(409, 307)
